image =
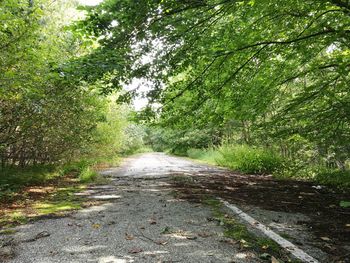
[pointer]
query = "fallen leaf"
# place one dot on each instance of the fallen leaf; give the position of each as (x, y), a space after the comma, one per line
(166, 230)
(129, 237)
(42, 234)
(96, 226)
(161, 242)
(243, 241)
(265, 256)
(135, 250)
(152, 221)
(204, 234)
(325, 238)
(265, 247)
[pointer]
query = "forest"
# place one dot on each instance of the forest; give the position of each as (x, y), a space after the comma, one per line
(260, 87)
(144, 130)
(256, 86)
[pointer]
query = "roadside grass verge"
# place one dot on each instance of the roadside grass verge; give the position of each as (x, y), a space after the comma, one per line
(26, 194)
(243, 158)
(334, 177)
(248, 159)
(210, 155)
(239, 233)
(56, 197)
(252, 160)
(233, 229)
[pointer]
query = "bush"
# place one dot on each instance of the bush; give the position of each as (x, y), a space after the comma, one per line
(87, 175)
(334, 177)
(15, 177)
(208, 155)
(249, 159)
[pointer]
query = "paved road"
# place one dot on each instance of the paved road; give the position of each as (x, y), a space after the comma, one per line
(140, 221)
(158, 165)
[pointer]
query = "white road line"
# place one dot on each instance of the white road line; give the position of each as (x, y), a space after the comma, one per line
(293, 249)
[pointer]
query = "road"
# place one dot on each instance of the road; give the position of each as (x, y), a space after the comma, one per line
(139, 221)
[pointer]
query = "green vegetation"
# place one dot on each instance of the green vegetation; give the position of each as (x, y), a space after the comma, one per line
(252, 160)
(12, 179)
(210, 155)
(256, 86)
(53, 123)
(248, 159)
(267, 78)
(50, 199)
(239, 232)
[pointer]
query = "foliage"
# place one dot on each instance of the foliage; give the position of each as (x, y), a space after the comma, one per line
(334, 177)
(47, 115)
(13, 179)
(134, 138)
(180, 141)
(249, 159)
(344, 204)
(210, 155)
(87, 175)
(269, 73)
(44, 116)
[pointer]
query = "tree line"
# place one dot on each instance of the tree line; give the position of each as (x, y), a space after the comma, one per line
(48, 116)
(270, 74)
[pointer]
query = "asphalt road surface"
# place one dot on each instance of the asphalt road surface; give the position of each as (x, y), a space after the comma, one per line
(139, 221)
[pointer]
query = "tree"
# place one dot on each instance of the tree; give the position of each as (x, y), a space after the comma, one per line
(268, 65)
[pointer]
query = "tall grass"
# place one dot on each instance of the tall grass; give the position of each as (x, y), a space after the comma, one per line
(208, 155)
(13, 179)
(248, 159)
(243, 158)
(255, 160)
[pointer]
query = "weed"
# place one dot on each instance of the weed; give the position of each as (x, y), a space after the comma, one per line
(249, 159)
(87, 175)
(209, 155)
(238, 231)
(8, 231)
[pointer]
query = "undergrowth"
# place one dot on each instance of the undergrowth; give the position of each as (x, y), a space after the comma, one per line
(207, 155)
(238, 232)
(28, 193)
(241, 158)
(248, 159)
(253, 160)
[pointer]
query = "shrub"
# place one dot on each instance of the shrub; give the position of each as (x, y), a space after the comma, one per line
(334, 177)
(208, 155)
(249, 159)
(87, 175)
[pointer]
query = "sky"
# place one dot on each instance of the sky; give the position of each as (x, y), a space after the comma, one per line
(90, 2)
